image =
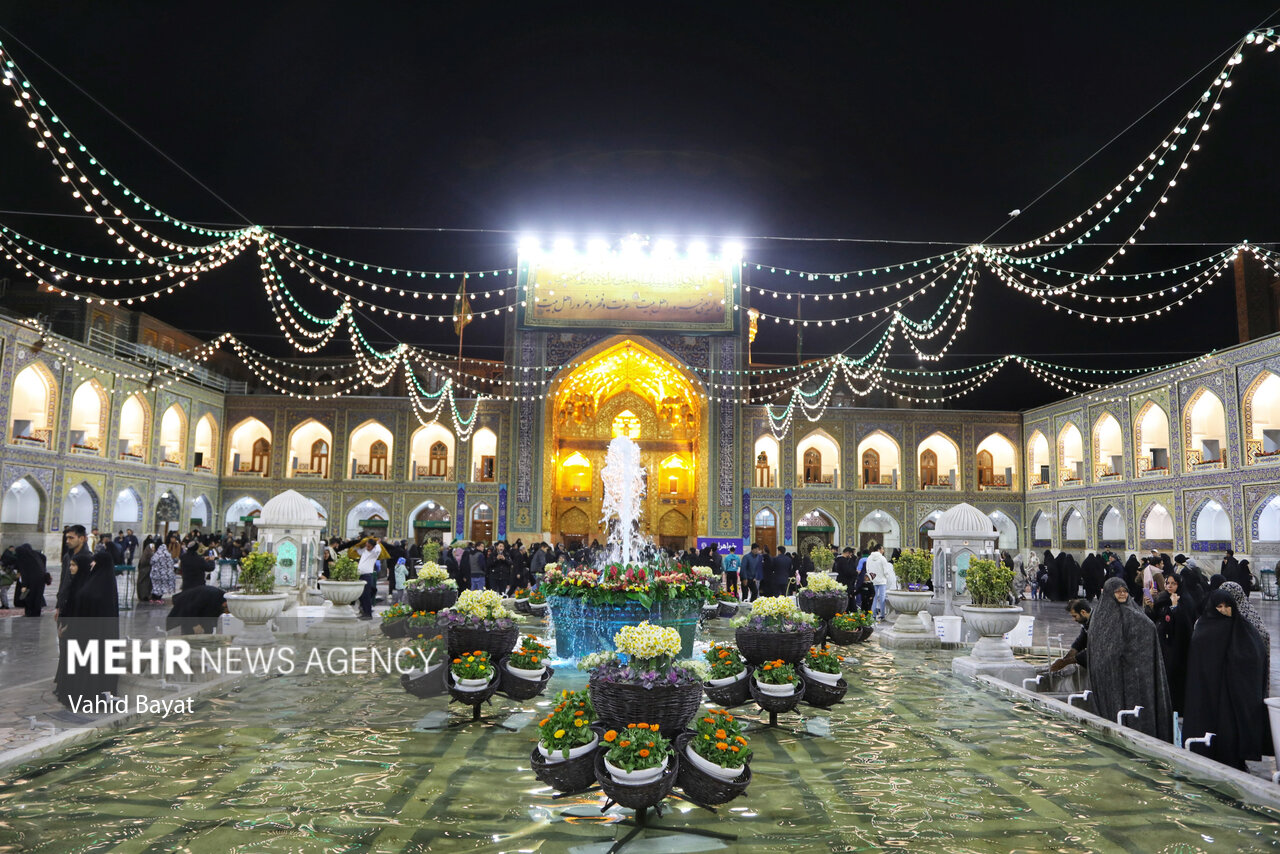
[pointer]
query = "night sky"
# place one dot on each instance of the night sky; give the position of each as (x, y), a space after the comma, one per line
(919, 126)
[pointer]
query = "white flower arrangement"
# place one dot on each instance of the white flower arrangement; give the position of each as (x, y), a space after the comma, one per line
(433, 574)
(822, 583)
(703, 572)
(775, 606)
(484, 604)
(647, 641)
(593, 660)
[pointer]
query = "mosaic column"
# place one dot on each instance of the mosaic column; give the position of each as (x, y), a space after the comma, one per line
(786, 518)
(502, 512)
(458, 517)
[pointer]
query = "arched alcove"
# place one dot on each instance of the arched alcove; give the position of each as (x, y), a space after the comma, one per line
(1070, 455)
(817, 527)
(767, 454)
(484, 456)
(1262, 419)
(1108, 449)
(1266, 521)
(310, 451)
(369, 448)
(368, 517)
(1041, 530)
(127, 508)
(23, 506)
(1151, 440)
(80, 506)
(1205, 431)
(1073, 529)
(482, 523)
(882, 527)
(1039, 467)
(32, 406)
(1212, 524)
(818, 460)
(1006, 531)
(242, 514)
(433, 453)
(939, 458)
(173, 437)
(879, 461)
(765, 528)
(1112, 531)
(997, 463)
(249, 449)
(430, 520)
(1157, 527)
(90, 410)
(206, 443)
(133, 437)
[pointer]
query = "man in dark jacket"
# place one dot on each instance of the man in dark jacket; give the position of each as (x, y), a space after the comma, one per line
(74, 542)
(779, 573)
(475, 564)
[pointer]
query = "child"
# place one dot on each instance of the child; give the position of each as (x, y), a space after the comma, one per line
(402, 572)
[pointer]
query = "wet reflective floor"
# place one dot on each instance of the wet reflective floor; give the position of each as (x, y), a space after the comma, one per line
(913, 760)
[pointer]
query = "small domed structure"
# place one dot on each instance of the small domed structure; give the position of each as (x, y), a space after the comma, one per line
(290, 509)
(963, 521)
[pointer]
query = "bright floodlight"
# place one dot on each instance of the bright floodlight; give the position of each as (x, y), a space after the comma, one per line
(563, 246)
(664, 249)
(528, 244)
(597, 247)
(631, 245)
(697, 250)
(731, 252)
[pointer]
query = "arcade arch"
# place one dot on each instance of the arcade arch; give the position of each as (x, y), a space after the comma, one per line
(1205, 430)
(370, 447)
(249, 448)
(818, 460)
(310, 450)
(939, 462)
(1070, 454)
(1262, 418)
(1151, 440)
(173, 436)
(432, 453)
(997, 463)
(33, 406)
(1039, 466)
(89, 413)
(1108, 448)
(880, 526)
(879, 461)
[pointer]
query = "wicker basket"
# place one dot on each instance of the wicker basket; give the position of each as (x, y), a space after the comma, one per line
(396, 628)
(825, 607)
(843, 638)
(728, 609)
(429, 684)
(759, 647)
(728, 696)
(671, 707)
(522, 606)
(435, 600)
(497, 642)
(822, 695)
(710, 612)
(522, 689)
(570, 776)
(470, 698)
(638, 797)
(701, 787)
(770, 703)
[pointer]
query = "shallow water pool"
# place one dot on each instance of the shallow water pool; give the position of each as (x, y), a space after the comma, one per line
(913, 760)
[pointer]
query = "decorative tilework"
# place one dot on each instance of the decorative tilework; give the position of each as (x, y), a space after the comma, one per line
(525, 428)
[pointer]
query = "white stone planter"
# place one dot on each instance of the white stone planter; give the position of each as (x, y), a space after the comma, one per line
(1273, 711)
(710, 768)
(342, 594)
(776, 690)
(991, 624)
(635, 778)
(538, 607)
(818, 675)
(554, 756)
(473, 684)
(531, 675)
(728, 680)
(909, 604)
(255, 611)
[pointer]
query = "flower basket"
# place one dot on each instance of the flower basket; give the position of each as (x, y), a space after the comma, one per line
(728, 609)
(840, 637)
(537, 608)
(470, 698)
(728, 696)
(867, 632)
(422, 684)
(759, 647)
(522, 689)
(522, 606)
(637, 797)
(822, 695)
(671, 707)
(774, 704)
(710, 612)
(497, 642)
(430, 600)
(569, 776)
(825, 606)
(702, 788)
(396, 628)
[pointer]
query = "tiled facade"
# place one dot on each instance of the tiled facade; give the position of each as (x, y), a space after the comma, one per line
(830, 501)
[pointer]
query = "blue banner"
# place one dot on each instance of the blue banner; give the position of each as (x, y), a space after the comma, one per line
(460, 516)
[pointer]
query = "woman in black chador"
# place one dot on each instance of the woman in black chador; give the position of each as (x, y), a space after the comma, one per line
(1126, 668)
(1224, 685)
(192, 567)
(90, 613)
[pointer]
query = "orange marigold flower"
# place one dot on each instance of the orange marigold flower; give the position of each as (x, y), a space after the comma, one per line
(709, 720)
(624, 743)
(631, 726)
(642, 726)
(767, 667)
(734, 749)
(650, 744)
(739, 739)
(611, 735)
(535, 659)
(721, 734)
(579, 713)
(457, 661)
(720, 745)
(653, 727)
(643, 753)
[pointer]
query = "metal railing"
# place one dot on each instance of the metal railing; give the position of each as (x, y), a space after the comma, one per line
(104, 342)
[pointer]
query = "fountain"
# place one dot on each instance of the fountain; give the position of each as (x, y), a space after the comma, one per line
(588, 606)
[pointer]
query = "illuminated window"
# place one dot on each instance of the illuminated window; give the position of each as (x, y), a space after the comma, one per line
(576, 473)
(626, 425)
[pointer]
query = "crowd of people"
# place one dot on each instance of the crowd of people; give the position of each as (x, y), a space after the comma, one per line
(1158, 635)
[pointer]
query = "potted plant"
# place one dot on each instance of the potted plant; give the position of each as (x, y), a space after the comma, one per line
(432, 589)
(342, 588)
(822, 595)
(774, 629)
(529, 660)
(851, 627)
(776, 678)
(521, 600)
(727, 603)
(420, 621)
(472, 671)
(537, 601)
(914, 569)
(823, 558)
(566, 732)
(726, 665)
(395, 621)
(718, 748)
(426, 661)
(991, 616)
(650, 683)
(478, 621)
(636, 755)
(256, 603)
(822, 666)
